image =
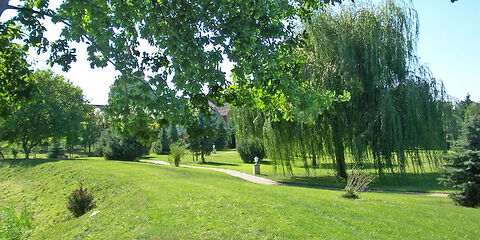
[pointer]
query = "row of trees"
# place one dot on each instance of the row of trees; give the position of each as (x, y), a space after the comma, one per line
(214, 134)
(57, 114)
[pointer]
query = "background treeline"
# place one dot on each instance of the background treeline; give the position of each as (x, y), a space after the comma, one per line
(58, 121)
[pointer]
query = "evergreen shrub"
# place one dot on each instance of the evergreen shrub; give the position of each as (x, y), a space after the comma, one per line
(249, 148)
(113, 146)
(80, 201)
(55, 150)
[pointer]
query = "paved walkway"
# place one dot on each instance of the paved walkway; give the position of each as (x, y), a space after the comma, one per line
(265, 181)
(248, 177)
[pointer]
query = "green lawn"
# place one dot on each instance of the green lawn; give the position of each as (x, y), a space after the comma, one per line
(146, 201)
(322, 176)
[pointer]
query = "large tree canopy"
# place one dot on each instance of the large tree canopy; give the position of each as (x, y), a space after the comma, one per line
(186, 42)
(55, 111)
(15, 83)
(370, 51)
(393, 111)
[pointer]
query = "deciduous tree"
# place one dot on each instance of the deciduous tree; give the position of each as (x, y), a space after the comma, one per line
(187, 42)
(393, 110)
(55, 111)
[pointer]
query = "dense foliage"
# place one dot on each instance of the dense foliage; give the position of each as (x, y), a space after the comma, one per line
(249, 148)
(201, 136)
(173, 133)
(15, 83)
(463, 165)
(370, 52)
(92, 129)
(161, 146)
(394, 108)
(220, 135)
(55, 111)
(114, 146)
(55, 150)
(185, 43)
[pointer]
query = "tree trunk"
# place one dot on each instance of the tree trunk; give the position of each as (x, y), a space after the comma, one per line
(339, 148)
(203, 156)
(27, 150)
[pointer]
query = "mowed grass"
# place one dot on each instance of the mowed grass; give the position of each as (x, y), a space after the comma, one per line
(146, 201)
(323, 176)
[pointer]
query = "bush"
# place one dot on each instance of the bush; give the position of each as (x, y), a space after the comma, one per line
(98, 148)
(357, 181)
(80, 201)
(55, 150)
(249, 148)
(14, 225)
(113, 146)
(462, 170)
(177, 151)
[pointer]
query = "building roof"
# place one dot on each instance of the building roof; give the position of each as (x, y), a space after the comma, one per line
(224, 110)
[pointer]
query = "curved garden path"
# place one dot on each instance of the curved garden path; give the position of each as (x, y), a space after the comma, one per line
(266, 181)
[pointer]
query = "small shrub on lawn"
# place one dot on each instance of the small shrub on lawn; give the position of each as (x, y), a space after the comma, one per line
(249, 148)
(80, 201)
(177, 151)
(357, 181)
(14, 225)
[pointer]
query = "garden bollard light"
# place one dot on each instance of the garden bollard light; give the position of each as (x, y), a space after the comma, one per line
(256, 166)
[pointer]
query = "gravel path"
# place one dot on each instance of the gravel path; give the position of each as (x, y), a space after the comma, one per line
(266, 181)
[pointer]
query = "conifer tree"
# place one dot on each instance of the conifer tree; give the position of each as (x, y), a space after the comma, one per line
(173, 133)
(462, 171)
(220, 135)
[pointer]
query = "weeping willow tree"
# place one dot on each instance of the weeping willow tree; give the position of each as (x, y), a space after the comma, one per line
(393, 112)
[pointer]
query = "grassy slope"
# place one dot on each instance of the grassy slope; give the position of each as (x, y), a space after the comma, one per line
(147, 201)
(323, 176)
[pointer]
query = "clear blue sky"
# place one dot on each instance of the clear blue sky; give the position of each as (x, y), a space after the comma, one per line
(448, 43)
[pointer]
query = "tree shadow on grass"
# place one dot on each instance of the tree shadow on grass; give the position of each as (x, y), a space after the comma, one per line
(332, 166)
(426, 182)
(27, 163)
